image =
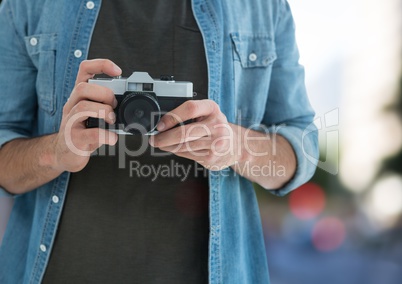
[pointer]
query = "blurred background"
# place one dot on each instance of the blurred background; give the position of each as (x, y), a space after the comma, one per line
(345, 225)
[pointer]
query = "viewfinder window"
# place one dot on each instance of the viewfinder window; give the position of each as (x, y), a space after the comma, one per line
(147, 87)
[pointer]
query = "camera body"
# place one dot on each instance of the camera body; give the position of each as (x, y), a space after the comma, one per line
(142, 101)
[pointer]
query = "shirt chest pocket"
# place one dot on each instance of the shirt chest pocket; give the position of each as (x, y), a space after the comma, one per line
(42, 50)
(253, 57)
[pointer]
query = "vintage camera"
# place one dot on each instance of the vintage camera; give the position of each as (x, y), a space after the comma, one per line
(142, 101)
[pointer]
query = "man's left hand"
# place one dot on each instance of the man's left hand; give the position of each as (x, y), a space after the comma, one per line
(208, 140)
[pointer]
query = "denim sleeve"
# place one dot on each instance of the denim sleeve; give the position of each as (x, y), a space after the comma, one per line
(288, 111)
(17, 81)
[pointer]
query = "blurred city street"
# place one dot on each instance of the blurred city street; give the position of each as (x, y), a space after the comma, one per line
(345, 226)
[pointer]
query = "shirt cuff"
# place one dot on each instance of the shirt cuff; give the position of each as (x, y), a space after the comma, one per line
(6, 136)
(4, 193)
(305, 146)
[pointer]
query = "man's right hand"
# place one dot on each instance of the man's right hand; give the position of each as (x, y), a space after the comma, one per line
(26, 164)
(74, 142)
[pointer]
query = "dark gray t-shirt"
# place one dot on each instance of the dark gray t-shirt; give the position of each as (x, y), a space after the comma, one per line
(139, 219)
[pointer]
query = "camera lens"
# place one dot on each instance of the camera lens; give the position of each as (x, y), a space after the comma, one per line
(139, 112)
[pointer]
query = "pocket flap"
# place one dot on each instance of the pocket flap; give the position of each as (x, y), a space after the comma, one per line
(41, 42)
(254, 50)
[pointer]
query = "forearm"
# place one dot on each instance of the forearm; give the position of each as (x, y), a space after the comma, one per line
(26, 164)
(266, 159)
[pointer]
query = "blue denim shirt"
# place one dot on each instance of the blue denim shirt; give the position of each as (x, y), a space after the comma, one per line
(254, 76)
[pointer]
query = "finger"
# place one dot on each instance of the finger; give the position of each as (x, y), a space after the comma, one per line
(189, 132)
(91, 92)
(93, 138)
(197, 156)
(83, 142)
(85, 109)
(193, 146)
(98, 137)
(186, 111)
(88, 68)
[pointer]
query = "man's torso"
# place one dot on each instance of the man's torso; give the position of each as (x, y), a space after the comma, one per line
(133, 217)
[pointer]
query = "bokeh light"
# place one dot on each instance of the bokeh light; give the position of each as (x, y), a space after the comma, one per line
(380, 137)
(307, 202)
(384, 202)
(328, 234)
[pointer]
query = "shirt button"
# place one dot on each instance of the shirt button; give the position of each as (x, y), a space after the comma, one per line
(90, 5)
(55, 199)
(252, 57)
(78, 53)
(43, 248)
(33, 41)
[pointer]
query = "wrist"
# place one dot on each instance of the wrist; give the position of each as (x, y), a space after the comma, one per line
(240, 152)
(251, 145)
(48, 157)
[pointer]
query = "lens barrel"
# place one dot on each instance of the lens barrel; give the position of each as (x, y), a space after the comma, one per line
(139, 112)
